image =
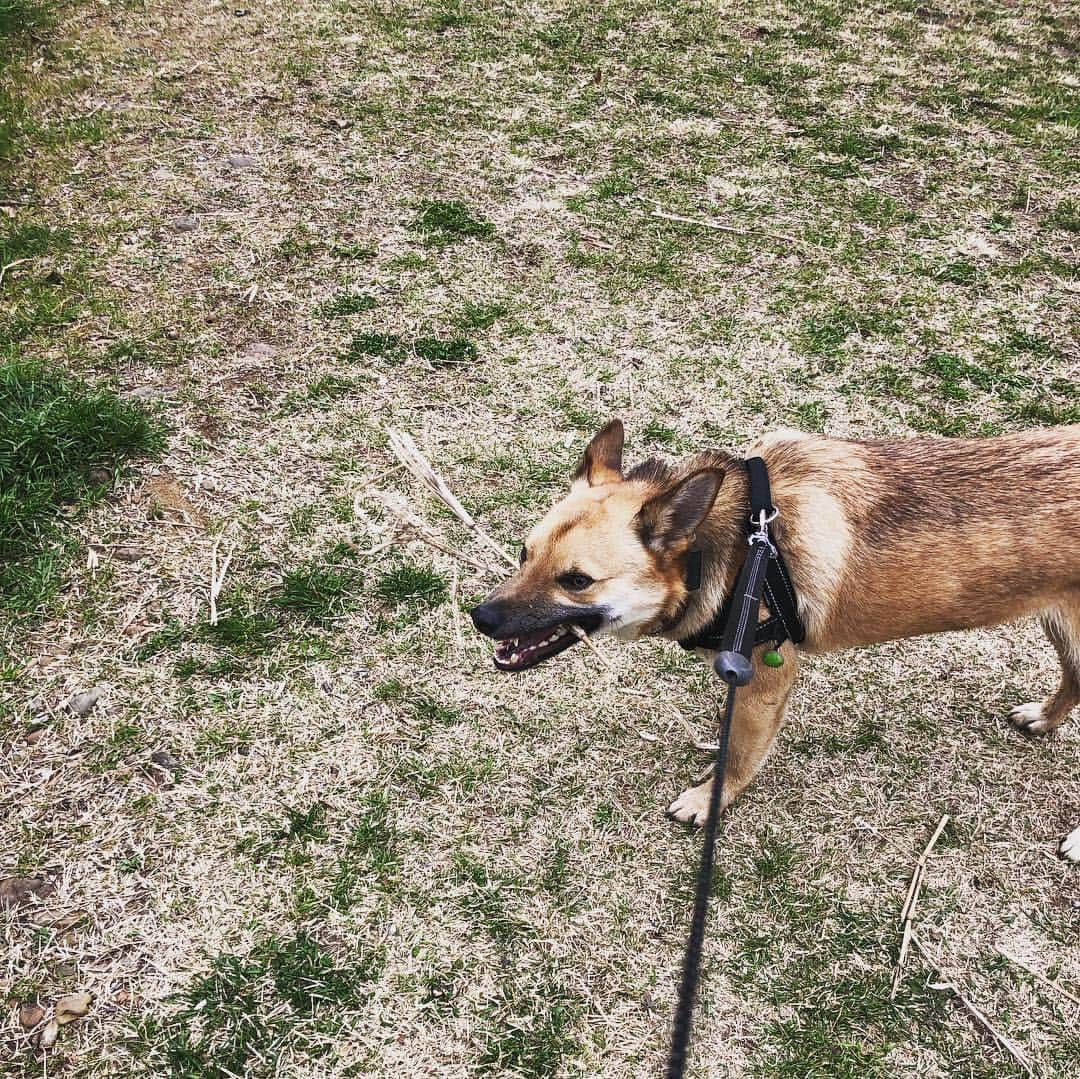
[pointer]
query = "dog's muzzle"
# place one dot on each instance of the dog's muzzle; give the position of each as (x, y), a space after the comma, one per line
(527, 636)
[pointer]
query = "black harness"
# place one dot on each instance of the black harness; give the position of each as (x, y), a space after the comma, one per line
(784, 624)
(733, 636)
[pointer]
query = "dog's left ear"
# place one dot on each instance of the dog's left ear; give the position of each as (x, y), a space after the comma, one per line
(602, 461)
(672, 518)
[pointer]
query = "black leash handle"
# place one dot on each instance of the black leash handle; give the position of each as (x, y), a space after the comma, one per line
(684, 1011)
(733, 662)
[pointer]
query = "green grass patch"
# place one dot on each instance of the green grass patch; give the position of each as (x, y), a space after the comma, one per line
(344, 304)
(412, 589)
(475, 316)
(1064, 216)
(322, 590)
(438, 351)
(370, 856)
(36, 303)
(443, 222)
(248, 1010)
(445, 352)
(242, 630)
(363, 345)
(62, 444)
(19, 19)
(532, 1031)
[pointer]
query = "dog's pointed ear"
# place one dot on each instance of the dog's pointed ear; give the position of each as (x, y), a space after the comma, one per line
(602, 460)
(672, 518)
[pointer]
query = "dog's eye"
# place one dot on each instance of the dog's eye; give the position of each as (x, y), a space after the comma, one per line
(521, 557)
(574, 581)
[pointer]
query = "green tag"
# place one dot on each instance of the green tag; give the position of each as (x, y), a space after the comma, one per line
(772, 658)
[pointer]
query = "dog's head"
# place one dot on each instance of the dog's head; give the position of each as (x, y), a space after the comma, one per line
(610, 557)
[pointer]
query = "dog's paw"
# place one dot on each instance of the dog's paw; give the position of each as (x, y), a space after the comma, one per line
(692, 806)
(1069, 847)
(1029, 718)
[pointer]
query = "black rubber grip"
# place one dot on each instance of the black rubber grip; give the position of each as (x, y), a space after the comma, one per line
(733, 662)
(733, 668)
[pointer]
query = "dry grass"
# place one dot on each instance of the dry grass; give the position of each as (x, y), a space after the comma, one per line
(426, 868)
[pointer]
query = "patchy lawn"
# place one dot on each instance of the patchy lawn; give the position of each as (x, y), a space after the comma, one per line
(318, 835)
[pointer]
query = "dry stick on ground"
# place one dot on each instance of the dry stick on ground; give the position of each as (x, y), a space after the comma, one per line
(1041, 978)
(404, 448)
(979, 1016)
(378, 479)
(717, 226)
(425, 532)
(454, 609)
(907, 914)
(217, 578)
(10, 265)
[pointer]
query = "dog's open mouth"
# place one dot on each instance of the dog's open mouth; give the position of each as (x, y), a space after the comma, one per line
(528, 649)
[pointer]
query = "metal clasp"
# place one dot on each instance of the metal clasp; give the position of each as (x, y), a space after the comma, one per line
(761, 528)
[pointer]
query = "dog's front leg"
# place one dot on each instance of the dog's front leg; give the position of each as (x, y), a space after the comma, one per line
(759, 711)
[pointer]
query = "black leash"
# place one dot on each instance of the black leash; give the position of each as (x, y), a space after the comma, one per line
(734, 664)
(684, 1010)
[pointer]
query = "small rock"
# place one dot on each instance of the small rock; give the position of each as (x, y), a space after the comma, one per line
(184, 223)
(130, 554)
(47, 1038)
(241, 161)
(148, 393)
(33, 736)
(82, 704)
(30, 1015)
(57, 921)
(73, 1006)
(164, 759)
(14, 891)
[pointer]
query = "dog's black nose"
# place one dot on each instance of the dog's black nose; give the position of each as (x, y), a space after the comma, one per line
(486, 618)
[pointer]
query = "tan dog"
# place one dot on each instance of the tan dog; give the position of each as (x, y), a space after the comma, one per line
(883, 540)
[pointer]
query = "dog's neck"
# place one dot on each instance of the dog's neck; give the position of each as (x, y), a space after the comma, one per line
(721, 539)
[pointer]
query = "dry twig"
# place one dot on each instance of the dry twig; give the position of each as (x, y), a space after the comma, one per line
(217, 578)
(11, 266)
(1041, 978)
(717, 226)
(977, 1014)
(907, 913)
(404, 448)
(426, 533)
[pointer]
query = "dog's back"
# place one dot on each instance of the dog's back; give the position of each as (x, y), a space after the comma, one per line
(900, 538)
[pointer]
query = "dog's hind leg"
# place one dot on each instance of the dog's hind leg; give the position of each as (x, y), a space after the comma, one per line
(759, 711)
(1062, 625)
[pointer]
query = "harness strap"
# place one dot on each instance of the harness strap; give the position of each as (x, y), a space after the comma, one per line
(760, 492)
(785, 622)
